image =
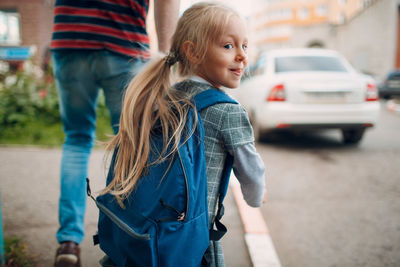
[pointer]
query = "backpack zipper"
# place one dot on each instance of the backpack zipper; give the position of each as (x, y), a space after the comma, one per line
(122, 224)
(183, 216)
(114, 218)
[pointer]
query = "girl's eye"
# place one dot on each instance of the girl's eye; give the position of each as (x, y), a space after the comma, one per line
(244, 47)
(228, 46)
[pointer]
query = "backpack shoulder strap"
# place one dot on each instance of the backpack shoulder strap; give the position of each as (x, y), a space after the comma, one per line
(203, 100)
(211, 97)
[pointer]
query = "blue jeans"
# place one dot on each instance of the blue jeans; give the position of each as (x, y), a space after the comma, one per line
(79, 77)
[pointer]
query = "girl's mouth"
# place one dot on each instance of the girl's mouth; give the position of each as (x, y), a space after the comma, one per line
(237, 72)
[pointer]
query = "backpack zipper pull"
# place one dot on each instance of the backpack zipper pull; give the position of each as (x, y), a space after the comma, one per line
(181, 215)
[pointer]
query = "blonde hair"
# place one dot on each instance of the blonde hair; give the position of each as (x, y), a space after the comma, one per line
(151, 100)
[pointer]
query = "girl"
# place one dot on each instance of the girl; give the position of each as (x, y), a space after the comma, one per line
(209, 49)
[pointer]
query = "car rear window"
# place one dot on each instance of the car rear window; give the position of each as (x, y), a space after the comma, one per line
(394, 76)
(309, 63)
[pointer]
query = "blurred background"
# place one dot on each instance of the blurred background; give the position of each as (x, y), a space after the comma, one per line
(364, 31)
(333, 200)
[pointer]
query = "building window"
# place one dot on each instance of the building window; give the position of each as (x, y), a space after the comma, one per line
(279, 15)
(365, 3)
(304, 13)
(286, 14)
(322, 10)
(9, 27)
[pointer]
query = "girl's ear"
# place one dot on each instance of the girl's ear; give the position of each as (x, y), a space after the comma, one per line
(189, 49)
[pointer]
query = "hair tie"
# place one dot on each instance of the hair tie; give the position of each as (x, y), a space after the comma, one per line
(171, 58)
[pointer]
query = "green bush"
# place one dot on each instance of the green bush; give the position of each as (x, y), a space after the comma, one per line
(27, 96)
(29, 109)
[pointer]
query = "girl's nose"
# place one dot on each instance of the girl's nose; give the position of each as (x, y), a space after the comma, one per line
(241, 55)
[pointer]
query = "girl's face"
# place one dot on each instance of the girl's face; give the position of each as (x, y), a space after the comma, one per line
(226, 58)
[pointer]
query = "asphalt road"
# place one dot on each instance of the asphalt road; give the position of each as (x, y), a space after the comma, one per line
(335, 205)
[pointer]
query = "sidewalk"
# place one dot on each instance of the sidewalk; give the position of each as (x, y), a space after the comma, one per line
(29, 179)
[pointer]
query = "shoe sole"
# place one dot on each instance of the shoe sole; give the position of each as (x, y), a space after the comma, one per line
(66, 260)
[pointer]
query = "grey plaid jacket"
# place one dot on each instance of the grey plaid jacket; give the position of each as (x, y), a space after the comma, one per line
(226, 127)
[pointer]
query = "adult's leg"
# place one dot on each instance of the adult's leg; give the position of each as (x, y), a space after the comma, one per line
(78, 98)
(114, 72)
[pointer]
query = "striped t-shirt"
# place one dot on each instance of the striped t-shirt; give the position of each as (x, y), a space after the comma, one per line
(116, 25)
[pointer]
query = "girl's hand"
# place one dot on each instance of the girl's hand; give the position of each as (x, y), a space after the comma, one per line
(265, 196)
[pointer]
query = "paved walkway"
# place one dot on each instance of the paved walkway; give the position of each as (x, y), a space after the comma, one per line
(29, 179)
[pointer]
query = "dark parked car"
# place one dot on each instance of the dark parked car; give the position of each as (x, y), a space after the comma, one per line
(391, 85)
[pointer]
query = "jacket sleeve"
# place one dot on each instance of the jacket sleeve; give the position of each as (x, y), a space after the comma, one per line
(249, 169)
(238, 139)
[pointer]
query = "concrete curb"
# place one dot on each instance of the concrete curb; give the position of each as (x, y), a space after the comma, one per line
(259, 243)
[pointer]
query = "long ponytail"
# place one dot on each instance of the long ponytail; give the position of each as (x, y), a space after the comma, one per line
(149, 100)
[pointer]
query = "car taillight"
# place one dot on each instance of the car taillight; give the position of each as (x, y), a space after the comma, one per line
(277, 93)
(372, 92)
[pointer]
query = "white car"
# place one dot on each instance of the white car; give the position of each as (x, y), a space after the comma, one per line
(309, 89)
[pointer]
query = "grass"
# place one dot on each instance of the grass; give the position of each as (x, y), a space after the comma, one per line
(40, 133)
(33, 133)
(17, 253)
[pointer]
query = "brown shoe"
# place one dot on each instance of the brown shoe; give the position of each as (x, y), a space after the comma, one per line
(68, 255)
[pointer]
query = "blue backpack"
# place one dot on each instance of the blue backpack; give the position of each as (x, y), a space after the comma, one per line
(165, 219)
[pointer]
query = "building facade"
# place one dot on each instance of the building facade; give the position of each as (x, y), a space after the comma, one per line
(26, 23)
(364, 31)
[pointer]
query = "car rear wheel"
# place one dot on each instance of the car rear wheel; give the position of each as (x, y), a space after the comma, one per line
(352, 136)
